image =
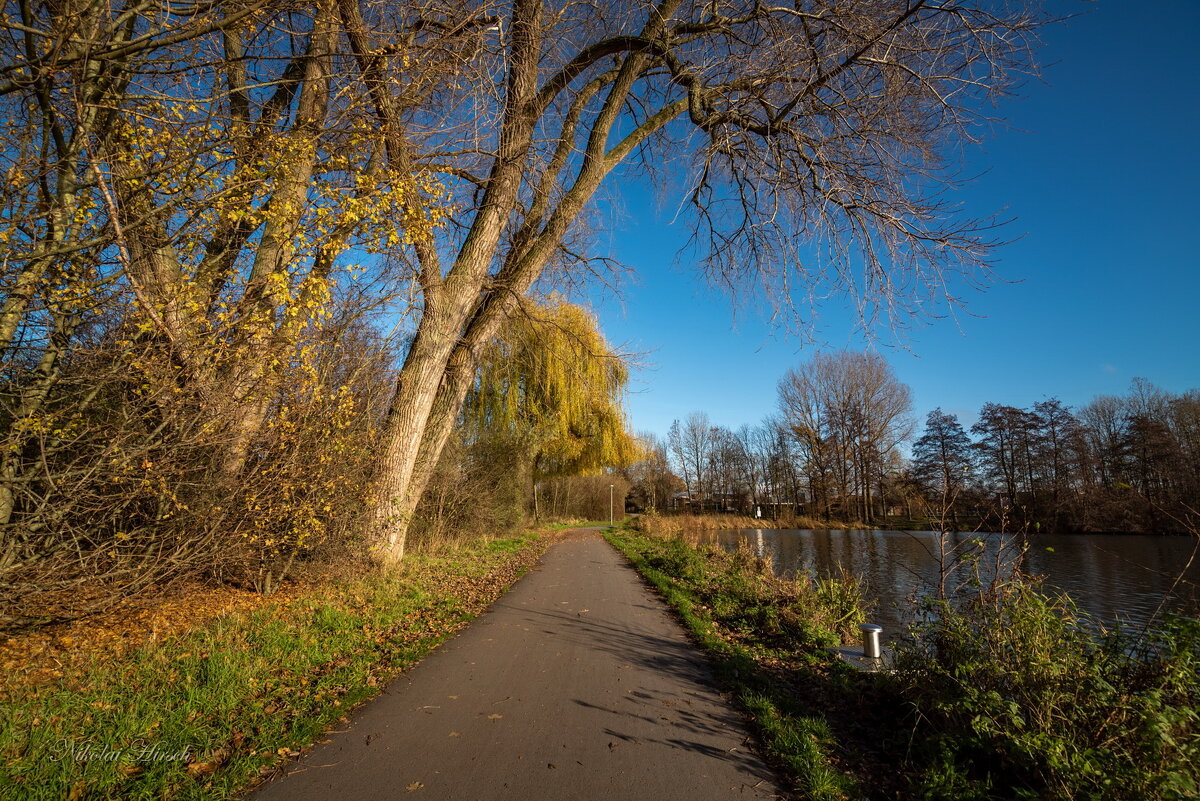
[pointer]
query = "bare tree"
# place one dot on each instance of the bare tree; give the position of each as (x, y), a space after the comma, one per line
(848, 413)
(691, 446)
(1058, 457)
(805, 414)
(1104, 421)
(943, 461)
(651, 480)
(822, 123)
(882, 419)
(1003, 444)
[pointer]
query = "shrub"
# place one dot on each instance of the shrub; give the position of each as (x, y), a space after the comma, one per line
(1017, 694)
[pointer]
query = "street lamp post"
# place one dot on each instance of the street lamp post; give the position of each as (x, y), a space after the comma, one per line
(610, 504)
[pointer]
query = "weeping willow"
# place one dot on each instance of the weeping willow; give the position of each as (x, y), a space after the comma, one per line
(552, 388)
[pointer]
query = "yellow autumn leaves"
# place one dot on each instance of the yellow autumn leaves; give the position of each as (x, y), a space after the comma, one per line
(554, 387)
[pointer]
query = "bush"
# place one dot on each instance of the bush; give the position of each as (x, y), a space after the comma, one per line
(1018, 695)
(124, 481)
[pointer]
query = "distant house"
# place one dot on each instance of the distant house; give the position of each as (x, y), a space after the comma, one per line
(681, 501)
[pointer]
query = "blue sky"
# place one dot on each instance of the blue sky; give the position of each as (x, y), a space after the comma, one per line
(1099, 168)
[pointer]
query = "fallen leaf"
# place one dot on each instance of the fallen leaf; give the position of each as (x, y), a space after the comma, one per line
(215, 760)
(494, 716)
(413, 787)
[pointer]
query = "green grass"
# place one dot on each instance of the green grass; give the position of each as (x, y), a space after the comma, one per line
(202, 715)
(739, 617)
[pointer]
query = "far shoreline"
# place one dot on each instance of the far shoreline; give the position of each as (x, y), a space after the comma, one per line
(655, 523)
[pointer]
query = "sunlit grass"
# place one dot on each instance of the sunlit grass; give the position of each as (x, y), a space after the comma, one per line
(203, 714)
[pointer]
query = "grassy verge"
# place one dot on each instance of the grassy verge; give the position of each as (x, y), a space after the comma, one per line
(769, 640)
(209, 712)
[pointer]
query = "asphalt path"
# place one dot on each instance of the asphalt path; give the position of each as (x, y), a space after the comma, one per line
(576, 684)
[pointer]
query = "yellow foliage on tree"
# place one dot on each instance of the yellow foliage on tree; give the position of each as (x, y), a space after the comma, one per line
(553, 387)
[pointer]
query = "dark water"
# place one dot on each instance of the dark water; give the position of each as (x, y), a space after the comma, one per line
(1113, 577)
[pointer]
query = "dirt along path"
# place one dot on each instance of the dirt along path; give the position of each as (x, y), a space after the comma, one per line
(577, 684)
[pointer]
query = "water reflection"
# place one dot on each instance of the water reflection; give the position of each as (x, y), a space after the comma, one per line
(1114, 577)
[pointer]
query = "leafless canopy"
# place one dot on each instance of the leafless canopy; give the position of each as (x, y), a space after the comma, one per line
(811, 143)
(203, 173)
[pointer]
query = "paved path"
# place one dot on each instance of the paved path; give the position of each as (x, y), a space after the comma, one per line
(577, 684)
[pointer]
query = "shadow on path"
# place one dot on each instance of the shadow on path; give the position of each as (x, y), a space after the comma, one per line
(577, 684)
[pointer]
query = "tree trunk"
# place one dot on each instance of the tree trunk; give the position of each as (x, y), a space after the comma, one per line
(397, 494)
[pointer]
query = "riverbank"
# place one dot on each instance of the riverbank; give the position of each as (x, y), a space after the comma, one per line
(664, 525)
(770, 640)
(667, 525)
(1003, 695)
(670, 524)
(203, 711)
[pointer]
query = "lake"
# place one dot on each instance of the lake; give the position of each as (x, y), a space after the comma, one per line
(1113, 577)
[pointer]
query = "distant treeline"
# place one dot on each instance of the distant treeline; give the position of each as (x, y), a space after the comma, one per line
(835, 450)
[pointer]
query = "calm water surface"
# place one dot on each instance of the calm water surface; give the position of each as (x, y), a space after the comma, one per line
(1114, 577)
